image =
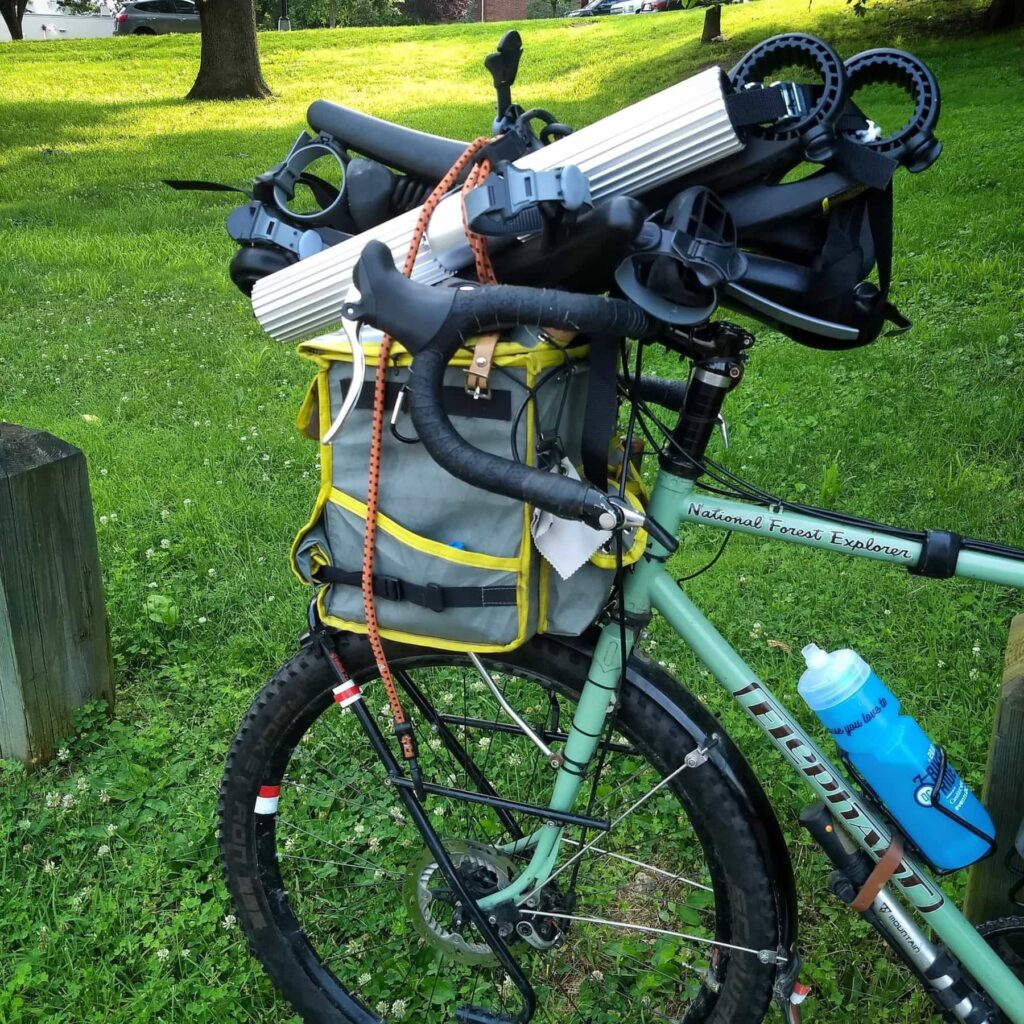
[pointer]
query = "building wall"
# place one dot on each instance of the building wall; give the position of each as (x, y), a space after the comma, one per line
(499, 10)
(61, 26)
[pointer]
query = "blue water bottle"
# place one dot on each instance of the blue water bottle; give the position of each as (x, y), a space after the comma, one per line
(895, 757)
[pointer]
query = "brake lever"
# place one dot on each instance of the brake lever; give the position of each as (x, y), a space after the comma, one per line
(352, 329)
(621, 515)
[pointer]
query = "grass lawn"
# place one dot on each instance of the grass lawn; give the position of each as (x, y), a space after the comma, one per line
(120, 331)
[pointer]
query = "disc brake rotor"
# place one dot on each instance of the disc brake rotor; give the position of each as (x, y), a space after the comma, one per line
(431, 902)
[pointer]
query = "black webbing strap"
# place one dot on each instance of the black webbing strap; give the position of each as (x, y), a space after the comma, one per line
(755, 106)
(427, 595)
(880, 222)
(600, 414)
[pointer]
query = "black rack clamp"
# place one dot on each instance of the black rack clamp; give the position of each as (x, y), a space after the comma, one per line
(700, 240)
(253, 224)
(508, 202)
(279, 182)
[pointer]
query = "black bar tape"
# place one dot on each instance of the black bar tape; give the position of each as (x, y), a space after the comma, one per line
(940, 551)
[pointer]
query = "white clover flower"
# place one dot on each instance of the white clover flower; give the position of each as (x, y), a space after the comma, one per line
(973, 674)
(447, 697)
(152, 586)
(264, 457)
(396, 813)
(398, 1009)
(67, 801)
(211, 572)
(381, 1008)
(438, 812)
(24, 824)
(113, 517)
(289, 844)
(82, 784)
(359, 828)
(53, 799)
(202, 620)
(104, 797)
(186, 952)
(484, 742)
(111, 829)
(373, 844)
(150, 552)
(514, 759)
(479, 686)
(976, 650)
(103, 472)
(887, 611)
(435, 744)
(165, 513)
(104, 520)
(187, 502)
(597, 975)
(228, 921)
(49, 867)
(165, 543)
(163, 954)
(940, 663)
(103, 850)
(63, 755)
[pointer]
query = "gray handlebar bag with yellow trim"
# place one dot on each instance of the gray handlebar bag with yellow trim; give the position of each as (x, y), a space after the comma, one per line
(455, 566)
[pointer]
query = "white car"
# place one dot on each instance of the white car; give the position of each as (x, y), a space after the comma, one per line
(626, 7)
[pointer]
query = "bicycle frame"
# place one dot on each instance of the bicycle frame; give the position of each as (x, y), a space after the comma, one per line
(650, 587)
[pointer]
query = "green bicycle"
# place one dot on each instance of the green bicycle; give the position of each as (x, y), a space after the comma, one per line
(653, 883)
(562, 831)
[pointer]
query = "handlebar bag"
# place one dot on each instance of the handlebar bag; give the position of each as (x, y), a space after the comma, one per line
(455, 566)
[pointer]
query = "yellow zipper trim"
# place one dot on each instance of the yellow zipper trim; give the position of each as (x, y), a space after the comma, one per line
(425, 544)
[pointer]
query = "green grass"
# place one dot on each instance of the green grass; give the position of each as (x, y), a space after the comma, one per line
(120, 332)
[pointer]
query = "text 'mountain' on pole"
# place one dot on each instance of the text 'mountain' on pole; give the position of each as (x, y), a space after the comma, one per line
(229, 63)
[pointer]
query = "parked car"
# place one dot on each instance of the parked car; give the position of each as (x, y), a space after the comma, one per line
(156, 17)
(653, 6)
(626, 7)
(593, 9)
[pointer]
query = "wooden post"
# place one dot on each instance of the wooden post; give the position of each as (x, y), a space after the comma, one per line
(712, 24)
(54, 644)
(1004, 787)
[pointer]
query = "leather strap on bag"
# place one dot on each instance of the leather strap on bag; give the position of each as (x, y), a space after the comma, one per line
(478, 376)
(880, 875)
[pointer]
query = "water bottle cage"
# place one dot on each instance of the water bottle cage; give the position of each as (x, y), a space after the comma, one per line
(933, 803)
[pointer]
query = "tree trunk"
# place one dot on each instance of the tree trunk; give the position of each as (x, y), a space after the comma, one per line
(712, 24)
(1004, 14)
(333, 14)
(229, 62)
(12, 11)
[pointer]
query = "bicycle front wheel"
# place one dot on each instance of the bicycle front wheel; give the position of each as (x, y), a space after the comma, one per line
(664, 918)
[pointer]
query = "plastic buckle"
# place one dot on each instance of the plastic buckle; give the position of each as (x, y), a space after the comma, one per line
(391, 588)
(434, 597)
(497, 206)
